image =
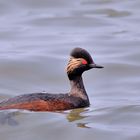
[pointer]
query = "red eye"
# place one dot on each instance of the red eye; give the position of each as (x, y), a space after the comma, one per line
(84, 62)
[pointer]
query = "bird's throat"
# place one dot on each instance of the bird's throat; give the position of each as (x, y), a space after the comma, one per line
(78, 89)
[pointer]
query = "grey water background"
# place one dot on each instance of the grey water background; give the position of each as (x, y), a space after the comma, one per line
(36, 37)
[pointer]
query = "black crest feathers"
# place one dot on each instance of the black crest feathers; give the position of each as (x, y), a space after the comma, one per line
(81, 53)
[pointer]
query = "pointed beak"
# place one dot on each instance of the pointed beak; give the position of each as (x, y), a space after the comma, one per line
(95, 66)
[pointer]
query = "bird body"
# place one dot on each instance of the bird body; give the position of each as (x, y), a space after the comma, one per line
(43, 102)
(79, 62)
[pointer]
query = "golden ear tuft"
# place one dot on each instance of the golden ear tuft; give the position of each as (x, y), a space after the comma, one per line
(73, 64)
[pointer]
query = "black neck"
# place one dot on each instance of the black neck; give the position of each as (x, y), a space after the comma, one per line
(78, 89)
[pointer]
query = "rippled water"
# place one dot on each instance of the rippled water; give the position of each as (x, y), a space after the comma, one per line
(36, 37)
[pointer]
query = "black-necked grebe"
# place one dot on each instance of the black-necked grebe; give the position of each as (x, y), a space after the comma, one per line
(80, 61)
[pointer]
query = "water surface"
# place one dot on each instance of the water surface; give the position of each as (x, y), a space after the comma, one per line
(36, 37)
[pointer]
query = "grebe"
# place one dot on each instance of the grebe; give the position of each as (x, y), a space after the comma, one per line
(80, 61)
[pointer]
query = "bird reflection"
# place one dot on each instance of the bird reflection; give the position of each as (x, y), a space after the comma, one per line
(7, 117)
(76, 115)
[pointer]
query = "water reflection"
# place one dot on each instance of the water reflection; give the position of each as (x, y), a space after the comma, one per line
(112, 13)
(8, 118)
(76, 115)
